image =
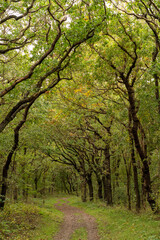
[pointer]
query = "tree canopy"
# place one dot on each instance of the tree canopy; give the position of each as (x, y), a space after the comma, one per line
(79, 100)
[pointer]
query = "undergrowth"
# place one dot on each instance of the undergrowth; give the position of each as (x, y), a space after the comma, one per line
(18, 219)
(40, 220)
(30, 221)
(117, 223)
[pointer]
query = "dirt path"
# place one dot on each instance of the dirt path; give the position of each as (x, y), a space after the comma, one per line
(75, 218)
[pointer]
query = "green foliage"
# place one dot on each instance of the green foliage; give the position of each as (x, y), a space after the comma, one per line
(18, 220)
(30, 221)
(62, 124)
(118, 223)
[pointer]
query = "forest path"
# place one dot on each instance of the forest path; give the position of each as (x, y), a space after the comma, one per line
(75, 218)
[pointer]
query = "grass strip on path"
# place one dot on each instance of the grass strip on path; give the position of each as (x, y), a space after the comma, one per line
(80, 233)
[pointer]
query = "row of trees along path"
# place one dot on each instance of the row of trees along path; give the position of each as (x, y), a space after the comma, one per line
(80, 105)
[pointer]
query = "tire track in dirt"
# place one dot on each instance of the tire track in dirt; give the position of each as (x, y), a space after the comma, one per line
(75, 218)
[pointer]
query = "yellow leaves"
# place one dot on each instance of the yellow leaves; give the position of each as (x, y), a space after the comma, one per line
(146, 59)
(96, 104)
(78, 90)
(71, 134)
(52, 110)
(87, 93)
(83, 105)
(86, 18)
(55, 115)
(58, 115)
(81, 90)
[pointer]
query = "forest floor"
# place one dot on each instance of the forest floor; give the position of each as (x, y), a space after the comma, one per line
(67, 218)
(75, 219)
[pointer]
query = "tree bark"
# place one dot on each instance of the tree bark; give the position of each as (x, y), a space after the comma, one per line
(90, 186)
(104, 188)
(83, 189)
(15, 193)
(9, 158)
(136, 184)
(129, 191)
(15, 187)
(155, 74)
(141, 146)
(108, 190)
(7, 164)
(128, 173)
(99, 182)
(134, 165)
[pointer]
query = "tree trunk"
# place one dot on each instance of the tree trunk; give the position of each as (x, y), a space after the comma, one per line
(66, 189)
(83, 189)
(35, 185)
(104, 187)
(15, 193)
(99, 182)
(15, 187)
(4, 180)
(129, 191)
(134, 165)
(90, 186)
(117, 171)
(156, 74)
(143, 193)
(108, 190)
(135, 174)
(6, 166)
(9, 158)
(141, 146)
(128, 173)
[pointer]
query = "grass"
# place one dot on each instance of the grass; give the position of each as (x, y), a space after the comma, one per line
(40, 220)
(80, 233)
(18, 219)
(51, 219)
(118, 223)
(34, 221)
